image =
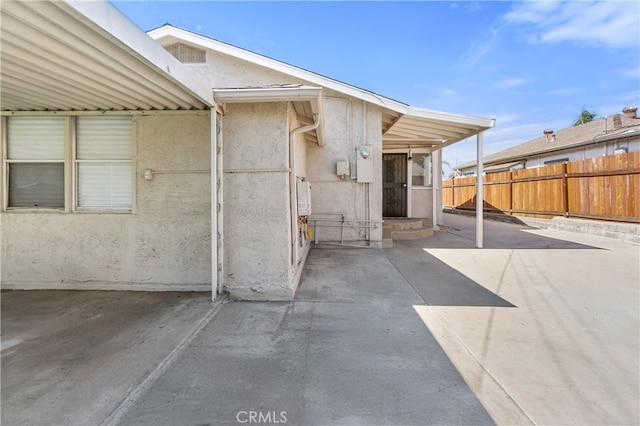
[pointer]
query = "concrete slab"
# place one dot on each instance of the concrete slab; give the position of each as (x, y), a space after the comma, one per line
(72, 357)
(567, 349)
(540, 327)
(349, 350)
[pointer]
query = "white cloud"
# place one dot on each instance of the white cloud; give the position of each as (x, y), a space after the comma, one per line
(508, 82)
(479, 48)
(447, 93)
(566, 91)
(611, 24)
(468, 6)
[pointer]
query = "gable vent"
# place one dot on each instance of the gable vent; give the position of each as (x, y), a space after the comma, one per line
(187, 54)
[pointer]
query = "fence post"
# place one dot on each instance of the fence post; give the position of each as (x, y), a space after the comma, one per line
(511, 192)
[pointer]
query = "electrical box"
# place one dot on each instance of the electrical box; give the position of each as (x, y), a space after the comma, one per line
(364, 164)
(343, 169)
(304, 197)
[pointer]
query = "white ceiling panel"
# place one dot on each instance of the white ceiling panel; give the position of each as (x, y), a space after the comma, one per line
(86, 56)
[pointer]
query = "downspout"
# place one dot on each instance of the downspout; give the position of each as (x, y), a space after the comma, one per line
(292, 182)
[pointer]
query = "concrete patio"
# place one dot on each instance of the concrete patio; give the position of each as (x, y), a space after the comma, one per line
(540, 326)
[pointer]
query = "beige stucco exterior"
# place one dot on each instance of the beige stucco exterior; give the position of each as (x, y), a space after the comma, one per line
(262, 240)
(164, 244)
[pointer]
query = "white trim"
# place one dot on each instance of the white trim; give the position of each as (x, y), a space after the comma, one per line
(214, 203)
(172, 33)
(269, 94)
(109, 19)
(118, 112)
(479, 193)
(4, 190)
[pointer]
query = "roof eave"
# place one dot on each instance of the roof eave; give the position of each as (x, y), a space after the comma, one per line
(239, 53)
(310, 94)
(120, 28)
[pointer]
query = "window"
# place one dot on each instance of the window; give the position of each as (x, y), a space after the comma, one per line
(101, 162)
(421, 170)
(560, 160)
(35, 161)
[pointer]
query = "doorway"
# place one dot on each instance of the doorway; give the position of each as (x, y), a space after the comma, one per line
(394, 189)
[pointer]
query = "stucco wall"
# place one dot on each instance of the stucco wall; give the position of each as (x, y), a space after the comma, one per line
(421, 202)
(165, 244)
(345, 131)
(256, 204)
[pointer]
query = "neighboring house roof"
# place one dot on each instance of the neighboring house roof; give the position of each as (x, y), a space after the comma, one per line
(403, 125)
(78, 55)
(594, 132)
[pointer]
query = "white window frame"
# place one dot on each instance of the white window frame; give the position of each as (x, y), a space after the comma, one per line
(428, 175)
(6, 162)
(70, 171)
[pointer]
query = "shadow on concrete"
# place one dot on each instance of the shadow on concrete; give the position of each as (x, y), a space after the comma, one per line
(442, 285)
(438, 283)
(459, 231)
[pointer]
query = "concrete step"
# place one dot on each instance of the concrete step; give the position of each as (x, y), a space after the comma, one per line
(411, 234)
(387, 243)
(399, 224)
(405, 229)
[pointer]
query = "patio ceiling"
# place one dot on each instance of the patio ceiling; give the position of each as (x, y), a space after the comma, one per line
(87, 56)
(429, 129)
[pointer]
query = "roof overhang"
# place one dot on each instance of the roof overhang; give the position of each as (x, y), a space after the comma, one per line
(424, 128)
(306, 100)
(87, 56)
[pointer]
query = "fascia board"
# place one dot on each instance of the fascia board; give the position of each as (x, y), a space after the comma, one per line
(270, 94)
(122, 30)
(242, 54)
(485, 123)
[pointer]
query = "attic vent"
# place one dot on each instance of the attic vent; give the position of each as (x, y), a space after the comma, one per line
(187, 54)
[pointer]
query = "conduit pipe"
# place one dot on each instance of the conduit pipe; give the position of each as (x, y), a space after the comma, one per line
(317, 119)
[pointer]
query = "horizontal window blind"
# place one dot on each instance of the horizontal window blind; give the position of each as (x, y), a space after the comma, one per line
(107, 185)
(35, 138)
(103, 158)
(36, 184)
(103, 138)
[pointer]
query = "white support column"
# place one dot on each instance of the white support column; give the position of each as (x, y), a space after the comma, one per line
(214, 204)
(436, 172)
(220, 199)
(479, 194)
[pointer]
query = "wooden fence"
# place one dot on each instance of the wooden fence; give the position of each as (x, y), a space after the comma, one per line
(604, 188)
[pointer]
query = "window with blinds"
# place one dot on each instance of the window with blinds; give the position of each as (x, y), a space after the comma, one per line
(103, 162)
(35, 161)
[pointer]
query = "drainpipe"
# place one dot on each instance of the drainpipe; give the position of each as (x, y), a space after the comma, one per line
(292, 182)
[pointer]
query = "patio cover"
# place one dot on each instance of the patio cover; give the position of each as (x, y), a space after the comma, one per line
(87, 56)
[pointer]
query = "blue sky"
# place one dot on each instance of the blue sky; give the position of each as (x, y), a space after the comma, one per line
(531, 65)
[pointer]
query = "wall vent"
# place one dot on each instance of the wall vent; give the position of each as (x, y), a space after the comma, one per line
(187, 54)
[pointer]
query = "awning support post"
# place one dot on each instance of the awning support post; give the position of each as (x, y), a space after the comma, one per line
(479, 193)
(214, 205)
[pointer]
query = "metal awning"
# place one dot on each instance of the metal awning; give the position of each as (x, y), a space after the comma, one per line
(306, 100)
(424, 128)
(87, 56)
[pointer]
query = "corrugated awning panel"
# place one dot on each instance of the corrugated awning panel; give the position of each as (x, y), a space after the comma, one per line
(53, 58)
